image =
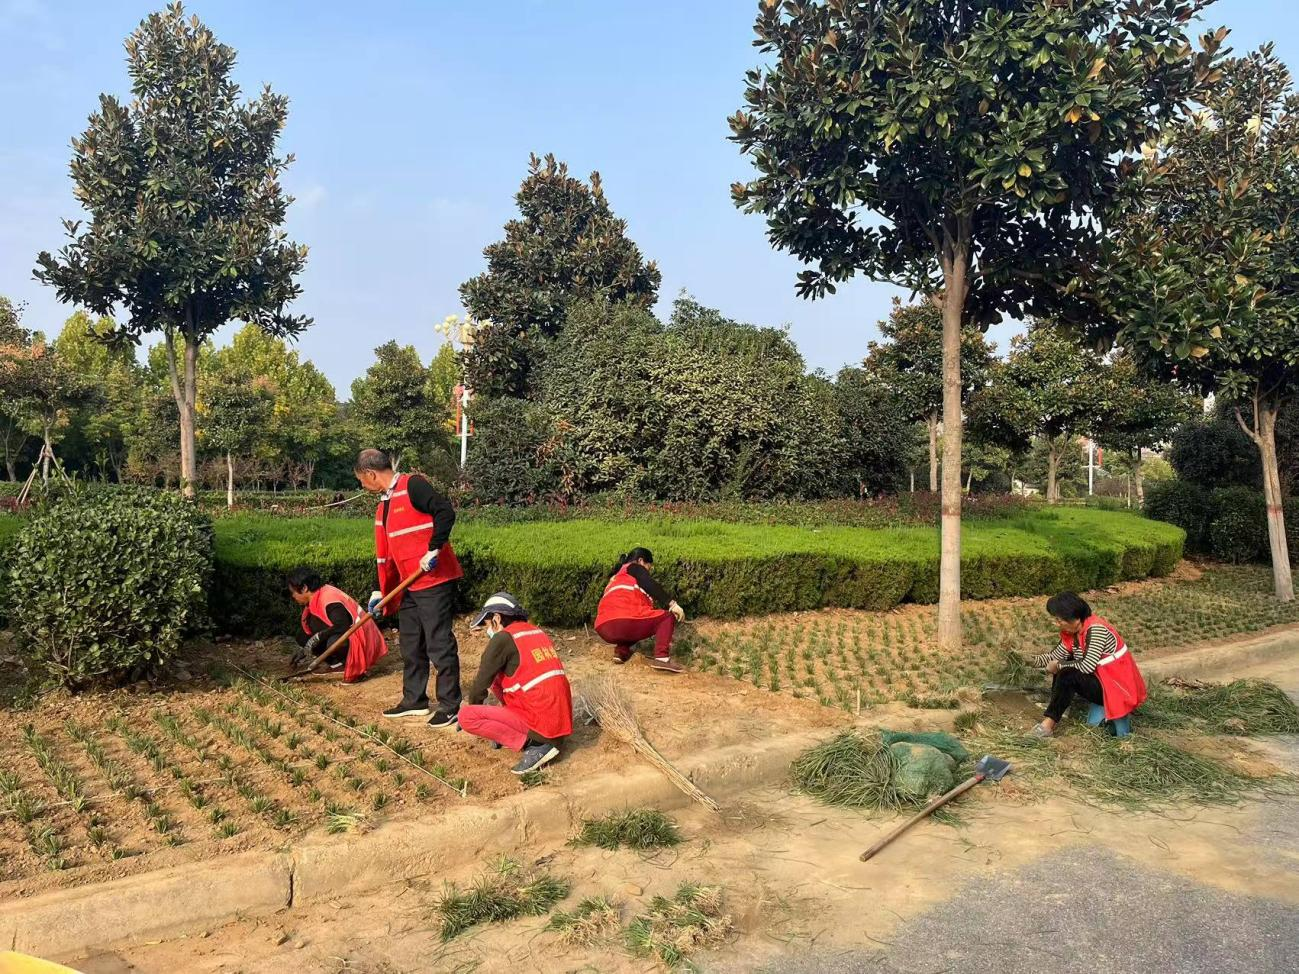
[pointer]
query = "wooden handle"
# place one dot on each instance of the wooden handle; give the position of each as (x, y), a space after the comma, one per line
(929, 809)
(341, 641)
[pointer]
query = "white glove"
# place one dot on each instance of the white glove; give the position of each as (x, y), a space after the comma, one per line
(677, 612)
(429, 561)
(375, 599)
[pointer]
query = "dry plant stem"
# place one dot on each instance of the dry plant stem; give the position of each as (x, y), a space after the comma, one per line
(613, 711)
(462, 792)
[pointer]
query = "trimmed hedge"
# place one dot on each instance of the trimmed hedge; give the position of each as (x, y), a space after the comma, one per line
(9, 526)
(558, 569)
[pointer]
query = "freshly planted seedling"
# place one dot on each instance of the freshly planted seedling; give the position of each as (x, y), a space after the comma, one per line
(503, 893)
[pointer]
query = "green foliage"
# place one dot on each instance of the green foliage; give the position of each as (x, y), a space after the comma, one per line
(41, 387)
(105, 583)
(392, 409)
(1244, 707)
(1214, 452)
(877, 441)
(675, 927)
(503, 893)
(185, 206)
(566, 246)
(511, 454)
(1238, 531)
(702, 407)
(637, 828)
(1186, 504)
(713, 568)
(235, 412)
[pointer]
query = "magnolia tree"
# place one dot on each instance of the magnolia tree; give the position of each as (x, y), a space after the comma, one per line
(909, 363)
(1202, 277)
(234, 412)
(960, 149)
(181, 187)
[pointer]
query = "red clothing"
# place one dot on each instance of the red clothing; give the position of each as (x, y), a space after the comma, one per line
(622, 634)
(504, 725)
(624, 599)
(401, 541)
(1121, 681)
(364, 647)
(538, 688)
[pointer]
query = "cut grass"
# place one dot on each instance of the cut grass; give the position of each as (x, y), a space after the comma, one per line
(852, 769)
(1241, 707)
(593, 919)
(505, 892)
(675, 928)
(637, 828)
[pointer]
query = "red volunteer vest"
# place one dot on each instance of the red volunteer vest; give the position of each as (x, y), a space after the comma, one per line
(623, 599)
(366, 645)
(1122, 686)
(538, 689)
(401, 541)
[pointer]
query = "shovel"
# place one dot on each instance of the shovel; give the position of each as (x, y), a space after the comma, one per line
(988, 769)
(341, 641)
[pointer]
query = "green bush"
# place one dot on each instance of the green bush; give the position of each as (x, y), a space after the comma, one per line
(1185, 504)
(105, 584)
(9, 526)
(725, 570)
(1238, 533)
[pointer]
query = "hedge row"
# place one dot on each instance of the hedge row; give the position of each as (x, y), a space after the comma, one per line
(1227, 523)
(716, 569)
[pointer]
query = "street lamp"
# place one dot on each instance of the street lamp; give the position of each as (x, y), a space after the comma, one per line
(462, 331)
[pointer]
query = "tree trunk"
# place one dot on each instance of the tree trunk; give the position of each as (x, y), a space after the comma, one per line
(1136, 480)
(230, 480)
(932, 423)
(1263, 434)
(46, 451)
(311, 472)
(1052, 463)
(956, 265)
(913, 480)
(183, 386)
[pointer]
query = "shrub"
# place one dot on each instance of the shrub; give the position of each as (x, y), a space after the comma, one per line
(103, 584)
(1185, 504)
(1214, 452)
(725, 570)
(1238, 532)
(511, 460)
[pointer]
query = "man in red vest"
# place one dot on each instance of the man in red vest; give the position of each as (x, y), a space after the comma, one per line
(1090, 661)
(327, 613)
(522, 669)
(412, 531)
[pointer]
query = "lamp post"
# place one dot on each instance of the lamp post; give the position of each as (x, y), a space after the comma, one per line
(461, 332)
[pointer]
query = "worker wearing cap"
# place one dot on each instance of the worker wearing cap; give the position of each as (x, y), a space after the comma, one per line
(522, 669)
(412, 536)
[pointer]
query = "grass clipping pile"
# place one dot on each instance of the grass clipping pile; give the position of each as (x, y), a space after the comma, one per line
(884, 770)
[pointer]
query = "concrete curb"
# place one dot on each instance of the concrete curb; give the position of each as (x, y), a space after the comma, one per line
(67, 924)
(1221, 661)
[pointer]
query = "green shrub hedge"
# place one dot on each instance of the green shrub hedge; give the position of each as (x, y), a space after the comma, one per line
(558, 569)
(9, 526)
(1227, 523)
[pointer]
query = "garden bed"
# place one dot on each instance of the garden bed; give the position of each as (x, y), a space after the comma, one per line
(845, 659)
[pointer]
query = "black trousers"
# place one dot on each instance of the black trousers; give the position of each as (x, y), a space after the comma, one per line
(424, 623)
(1068, 683)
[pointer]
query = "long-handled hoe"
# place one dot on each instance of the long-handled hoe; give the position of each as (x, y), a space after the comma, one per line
(361, 620)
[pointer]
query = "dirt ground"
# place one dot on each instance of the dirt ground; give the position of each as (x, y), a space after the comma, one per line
(681, 714)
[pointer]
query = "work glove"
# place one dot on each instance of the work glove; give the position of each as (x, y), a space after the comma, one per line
(373, 606)
(299, 658)
(678, 613)
(312, 646)
(429, 561)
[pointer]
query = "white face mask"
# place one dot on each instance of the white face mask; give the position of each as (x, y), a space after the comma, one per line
(491, 630)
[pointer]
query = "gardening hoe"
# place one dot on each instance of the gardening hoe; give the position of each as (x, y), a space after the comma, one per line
(989, 769)
(341, 641)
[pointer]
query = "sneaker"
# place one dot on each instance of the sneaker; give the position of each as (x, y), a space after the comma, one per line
(619, 657)
(407, 710)
(535, 756)
(443, 718)
(666, 665)
(1040, 731)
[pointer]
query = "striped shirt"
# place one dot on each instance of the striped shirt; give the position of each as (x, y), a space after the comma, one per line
(1100, 643)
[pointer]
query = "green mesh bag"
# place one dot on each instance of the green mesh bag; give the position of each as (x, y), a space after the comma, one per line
(920, 771)
(946, 743)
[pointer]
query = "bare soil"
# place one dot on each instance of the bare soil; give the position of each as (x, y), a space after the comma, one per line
(221, 741)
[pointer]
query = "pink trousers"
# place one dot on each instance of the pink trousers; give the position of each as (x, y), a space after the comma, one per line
(500, 724)
(624, 633)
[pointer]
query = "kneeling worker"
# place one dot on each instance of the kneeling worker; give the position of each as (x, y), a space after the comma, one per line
(1092, 661)
(627, 611)
(520, 666)
(327, 613)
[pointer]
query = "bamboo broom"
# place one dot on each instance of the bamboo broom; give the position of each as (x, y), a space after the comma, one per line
(604, 700)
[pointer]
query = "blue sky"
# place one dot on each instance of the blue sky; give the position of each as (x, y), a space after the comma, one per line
(412, 123)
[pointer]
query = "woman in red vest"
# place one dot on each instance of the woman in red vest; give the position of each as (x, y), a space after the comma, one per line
(628, 611)
(1090, 661)
(522, 669)
(327, 613)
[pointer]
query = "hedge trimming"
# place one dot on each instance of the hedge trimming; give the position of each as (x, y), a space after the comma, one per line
(558, 569)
